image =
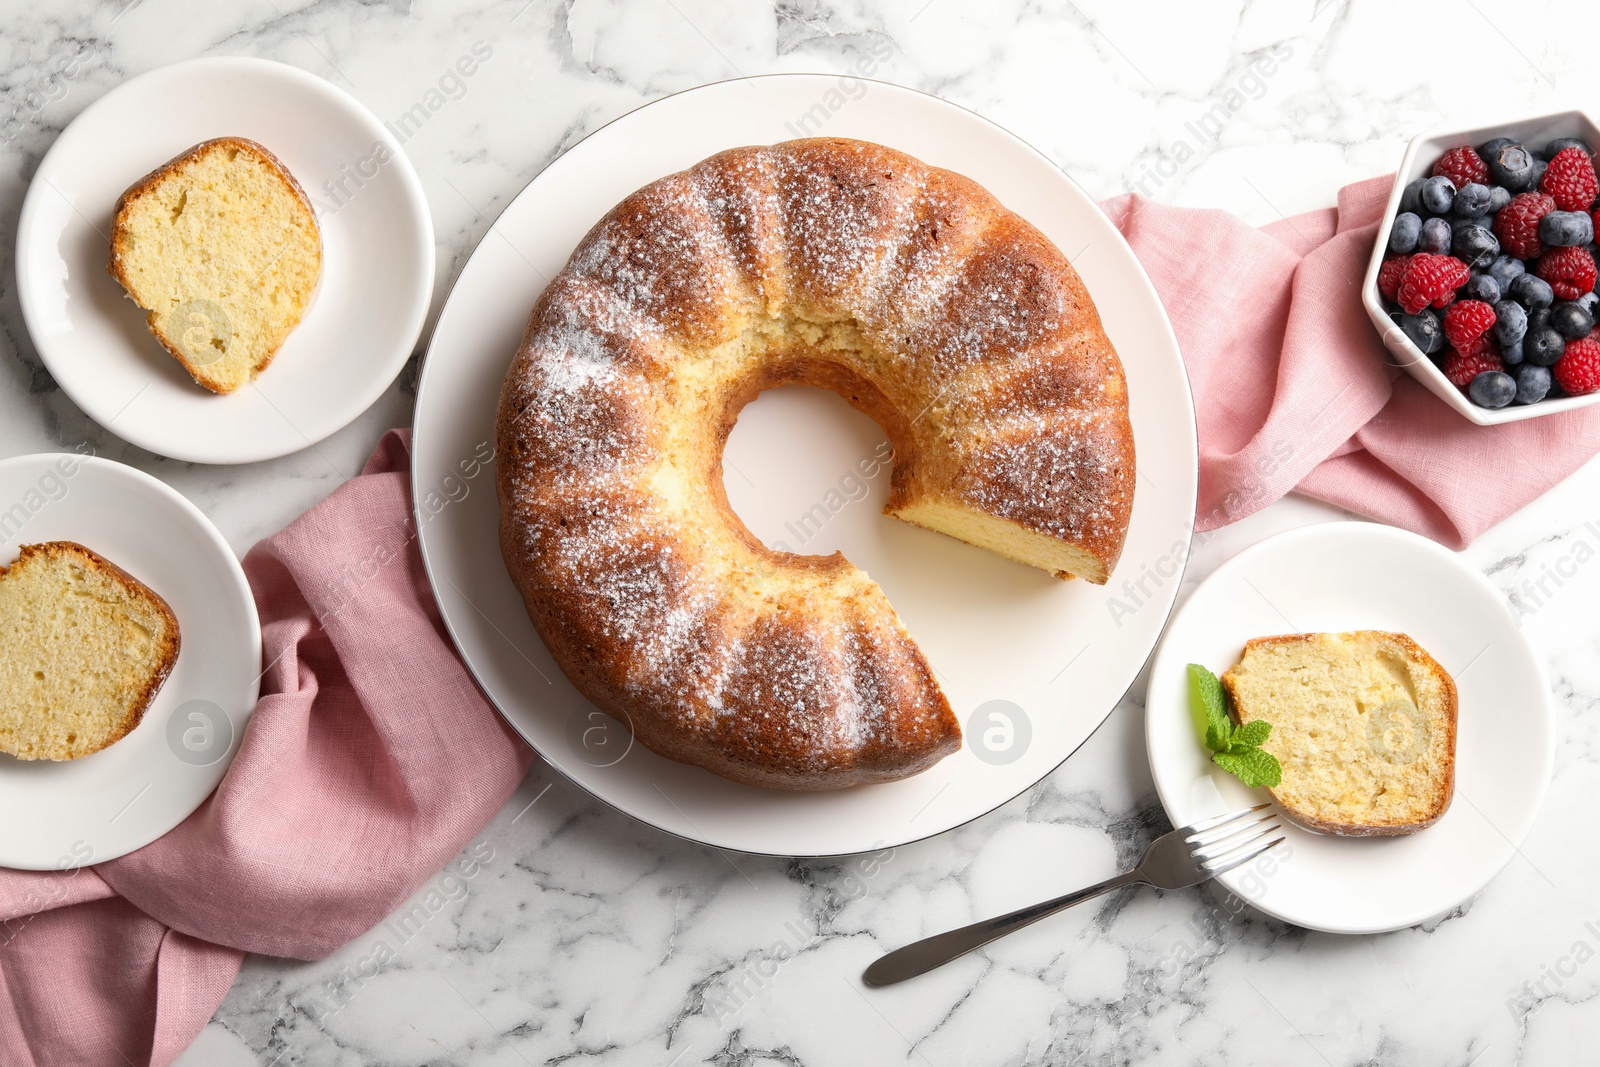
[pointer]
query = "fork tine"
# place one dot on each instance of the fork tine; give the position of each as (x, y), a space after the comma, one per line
(1224, 864)
(1207, 824)
(1222, 834)
(1228, 848)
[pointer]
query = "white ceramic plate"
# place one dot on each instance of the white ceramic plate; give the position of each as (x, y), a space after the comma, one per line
(83, 811)
(377, 273)
(1060, 653)
(1362, 576)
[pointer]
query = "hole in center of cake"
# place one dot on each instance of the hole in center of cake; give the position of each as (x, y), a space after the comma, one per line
(806, 472)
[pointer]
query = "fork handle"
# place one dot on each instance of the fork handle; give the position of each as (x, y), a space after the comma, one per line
(919, 957)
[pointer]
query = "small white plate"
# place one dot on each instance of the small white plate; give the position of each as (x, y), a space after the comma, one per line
(1031, 665)
(1361, 576)
(363, 322)
(83, 811)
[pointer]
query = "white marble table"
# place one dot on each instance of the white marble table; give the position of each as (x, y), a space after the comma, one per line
(582, 937)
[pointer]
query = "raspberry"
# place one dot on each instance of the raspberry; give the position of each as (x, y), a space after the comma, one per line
(1570, 271)
(1462, 367)
(1578, 369)
(1463, 166)
(1517, 224)
(1389, 275)
(1466, 322)
(1570, 179)
(1430, 279)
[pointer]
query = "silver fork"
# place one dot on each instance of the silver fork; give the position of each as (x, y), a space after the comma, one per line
(1175, 860)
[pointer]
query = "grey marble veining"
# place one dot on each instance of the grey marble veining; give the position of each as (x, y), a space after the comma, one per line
(566, 933)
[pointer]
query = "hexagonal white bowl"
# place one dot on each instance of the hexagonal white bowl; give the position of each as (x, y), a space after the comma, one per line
(1423, 151)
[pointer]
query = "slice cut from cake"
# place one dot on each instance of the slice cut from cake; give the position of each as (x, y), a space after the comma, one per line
(222, 248)
(1364, 724)
(84, 647)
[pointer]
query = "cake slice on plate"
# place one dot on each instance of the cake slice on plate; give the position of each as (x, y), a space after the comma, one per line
(84, 648)
(222, 248)
(1364, 724)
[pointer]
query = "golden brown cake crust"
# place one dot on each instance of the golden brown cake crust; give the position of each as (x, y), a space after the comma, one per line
(175, 165)
(1447, 758)
(166, 655)
(910, 291)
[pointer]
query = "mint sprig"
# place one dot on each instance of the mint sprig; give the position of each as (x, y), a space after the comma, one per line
(1236, 749)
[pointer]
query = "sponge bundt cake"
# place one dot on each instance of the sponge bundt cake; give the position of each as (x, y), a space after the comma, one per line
(910, 291)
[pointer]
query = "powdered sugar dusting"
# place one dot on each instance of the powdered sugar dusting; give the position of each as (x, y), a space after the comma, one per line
(798, 678)
(575, 360)
(846, 213)
(1056, 473)
(937, 243)
(665, 261)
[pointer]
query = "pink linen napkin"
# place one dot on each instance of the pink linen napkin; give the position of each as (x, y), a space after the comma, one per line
(369, 762)
(1294, 389)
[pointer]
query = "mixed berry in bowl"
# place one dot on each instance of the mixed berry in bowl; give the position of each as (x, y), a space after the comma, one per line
(1491, 273)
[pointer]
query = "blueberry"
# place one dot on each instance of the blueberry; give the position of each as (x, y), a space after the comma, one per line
(1482, 287)
(1424, 330)
(1492, 389)
(1510, 322)
(1566, 229)
(1529, 290)
(1533, 383)
(1559, 143)
(1512, 166)
(1499, 197)
(1587, 301)
(1539, 166)
(1542, 347)
(1474, 245)
(1571, 320)
(1472, 201)
(1489, 148)
(1438, 193)
(1404, 233)
(1511, 355)
(1435, 237)
(1505, 269)
(1411, 197)
(1538, 318)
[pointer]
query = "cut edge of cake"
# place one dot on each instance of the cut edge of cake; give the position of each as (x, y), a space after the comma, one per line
(1004, 537)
